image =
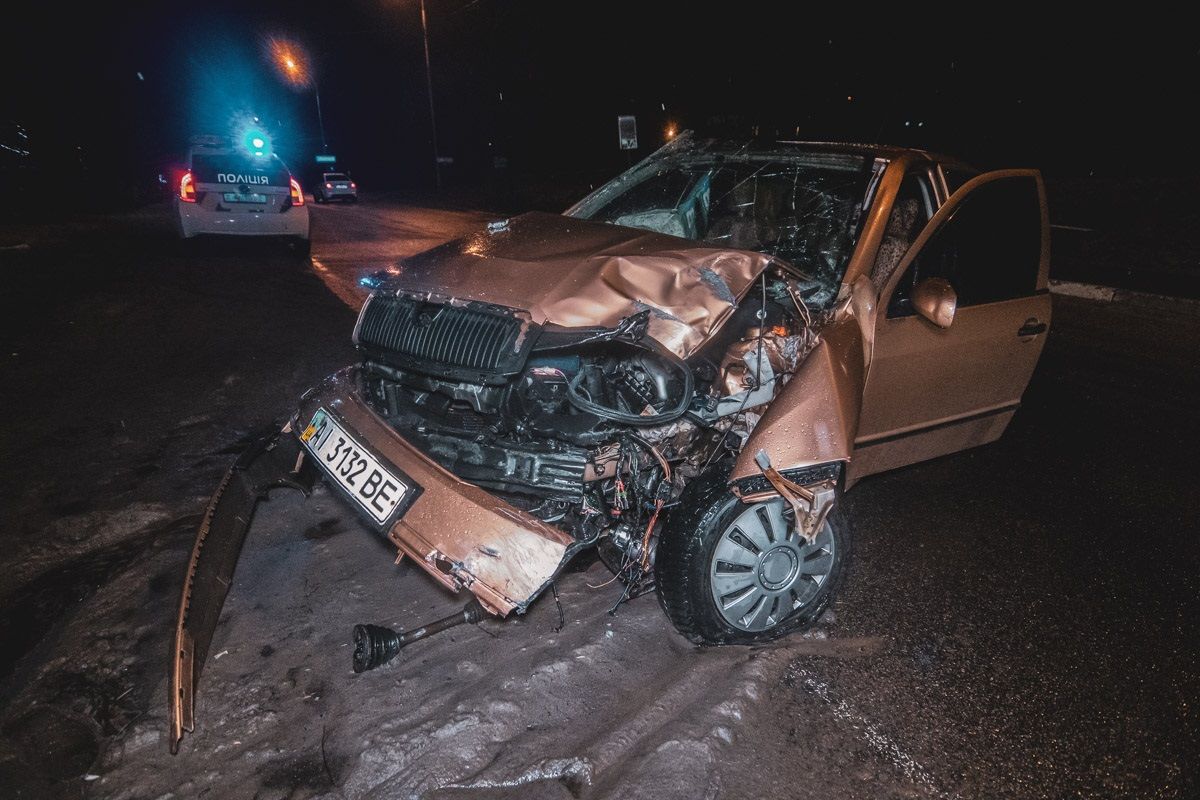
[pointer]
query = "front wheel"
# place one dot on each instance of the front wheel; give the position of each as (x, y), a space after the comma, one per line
(730, 572)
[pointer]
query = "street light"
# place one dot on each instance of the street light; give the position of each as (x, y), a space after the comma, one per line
(293, 63)
(437, 163)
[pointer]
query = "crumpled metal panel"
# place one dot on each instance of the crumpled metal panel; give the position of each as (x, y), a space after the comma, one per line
(814, 418)
(578, 273)
(460, 534)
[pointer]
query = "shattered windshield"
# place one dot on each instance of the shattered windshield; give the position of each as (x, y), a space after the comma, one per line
(803, 207)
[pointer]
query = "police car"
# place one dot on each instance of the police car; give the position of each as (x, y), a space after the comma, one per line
(243, 190)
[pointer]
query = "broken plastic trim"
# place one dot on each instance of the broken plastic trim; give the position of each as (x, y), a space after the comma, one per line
(467, 340)
(758, 484)
(272, 461)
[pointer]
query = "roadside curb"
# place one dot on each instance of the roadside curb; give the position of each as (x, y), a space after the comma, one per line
(1110, 294)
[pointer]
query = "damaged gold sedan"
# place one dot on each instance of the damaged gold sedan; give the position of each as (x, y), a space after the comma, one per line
(685, 372)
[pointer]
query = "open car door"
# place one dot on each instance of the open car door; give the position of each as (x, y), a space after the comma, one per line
(961, 324)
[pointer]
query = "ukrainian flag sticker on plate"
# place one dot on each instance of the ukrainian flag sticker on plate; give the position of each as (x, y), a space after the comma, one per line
(314, 427)
(376, 487)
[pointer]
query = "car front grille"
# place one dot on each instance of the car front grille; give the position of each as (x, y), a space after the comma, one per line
(469, 341)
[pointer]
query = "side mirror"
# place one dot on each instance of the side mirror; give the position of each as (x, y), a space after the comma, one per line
(935, 300)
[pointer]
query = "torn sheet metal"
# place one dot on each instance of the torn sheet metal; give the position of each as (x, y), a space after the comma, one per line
(464, 537)
(810, 506)
(752, 372)
(814, 418)
(577, 273)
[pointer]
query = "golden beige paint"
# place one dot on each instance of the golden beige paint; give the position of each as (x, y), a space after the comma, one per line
(460, 534)
(578, 273)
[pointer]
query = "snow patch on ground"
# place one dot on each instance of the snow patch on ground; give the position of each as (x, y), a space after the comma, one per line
(508, 708)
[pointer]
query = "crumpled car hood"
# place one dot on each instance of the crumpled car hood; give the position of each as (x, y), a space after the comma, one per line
(577, 273)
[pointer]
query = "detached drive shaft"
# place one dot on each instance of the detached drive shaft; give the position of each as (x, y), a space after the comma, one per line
(375, 645)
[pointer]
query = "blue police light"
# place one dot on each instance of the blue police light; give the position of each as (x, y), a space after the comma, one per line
(256, 142)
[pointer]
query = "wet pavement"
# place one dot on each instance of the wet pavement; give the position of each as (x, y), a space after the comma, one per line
(1042, 594)
(1019, 621)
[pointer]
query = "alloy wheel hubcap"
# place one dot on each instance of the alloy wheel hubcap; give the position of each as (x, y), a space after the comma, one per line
(762, 573)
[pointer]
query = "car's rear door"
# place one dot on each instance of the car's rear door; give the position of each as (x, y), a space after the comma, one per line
(235, 184)
(931, 390)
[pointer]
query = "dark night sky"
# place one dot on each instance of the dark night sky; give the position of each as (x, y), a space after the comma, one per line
(1106, 95)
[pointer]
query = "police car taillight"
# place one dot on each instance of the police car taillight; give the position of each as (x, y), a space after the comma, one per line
(329, 186)
(297, 194)
(187, 188)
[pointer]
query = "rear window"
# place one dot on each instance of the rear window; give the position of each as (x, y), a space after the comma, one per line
(335, 176)
(238, 170)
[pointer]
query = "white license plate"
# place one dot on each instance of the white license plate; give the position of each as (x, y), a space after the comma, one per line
(376, 489)
(235, 197)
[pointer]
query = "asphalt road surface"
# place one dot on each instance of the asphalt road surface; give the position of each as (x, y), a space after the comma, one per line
(1020, 620)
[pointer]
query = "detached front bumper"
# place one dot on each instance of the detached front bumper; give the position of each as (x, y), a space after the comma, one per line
(460, 534)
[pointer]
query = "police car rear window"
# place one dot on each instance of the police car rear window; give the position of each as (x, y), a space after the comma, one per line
(239, 170)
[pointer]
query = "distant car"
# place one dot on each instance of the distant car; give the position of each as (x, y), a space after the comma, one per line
(335, 186)
(233, 192)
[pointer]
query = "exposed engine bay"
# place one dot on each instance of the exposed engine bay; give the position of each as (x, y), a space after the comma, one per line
(594, 430)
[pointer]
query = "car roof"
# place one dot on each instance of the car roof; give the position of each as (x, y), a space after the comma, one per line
(887, 151)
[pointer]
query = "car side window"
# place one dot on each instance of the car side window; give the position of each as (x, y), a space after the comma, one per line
(913, 207)
(956, 176)
(989, 250)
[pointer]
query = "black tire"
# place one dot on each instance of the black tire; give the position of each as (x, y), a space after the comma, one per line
(689, 540)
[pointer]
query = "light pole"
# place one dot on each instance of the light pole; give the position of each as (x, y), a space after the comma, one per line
(320, 119)
(292, 61)
(437, 163)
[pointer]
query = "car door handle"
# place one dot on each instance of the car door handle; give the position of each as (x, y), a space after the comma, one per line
(1031, 328)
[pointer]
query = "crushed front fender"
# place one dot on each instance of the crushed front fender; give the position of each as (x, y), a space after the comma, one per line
(273, 461)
